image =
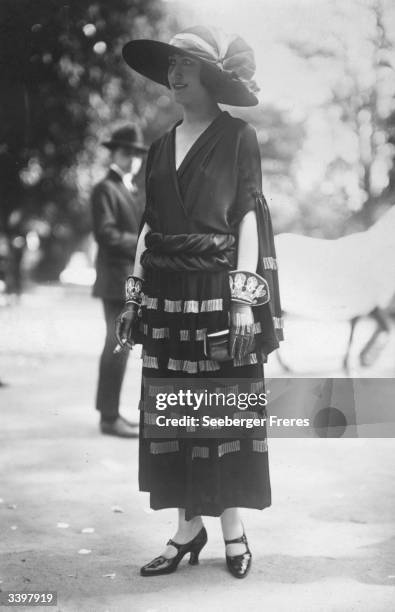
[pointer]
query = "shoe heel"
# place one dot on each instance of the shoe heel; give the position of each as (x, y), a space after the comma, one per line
(195, 552)
(194, 558)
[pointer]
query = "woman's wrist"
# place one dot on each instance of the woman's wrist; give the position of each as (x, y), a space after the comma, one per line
(238, 307)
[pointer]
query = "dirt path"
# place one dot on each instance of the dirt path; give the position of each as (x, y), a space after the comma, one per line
(327, 544)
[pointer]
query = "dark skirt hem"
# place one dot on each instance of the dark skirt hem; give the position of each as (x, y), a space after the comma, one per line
(206, 510)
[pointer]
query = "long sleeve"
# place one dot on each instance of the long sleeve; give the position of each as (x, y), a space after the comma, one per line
(249, 174)
(250, 197)
(106, 225)
(148, 214)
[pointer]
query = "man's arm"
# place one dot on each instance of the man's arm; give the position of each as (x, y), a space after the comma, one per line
(105, 225)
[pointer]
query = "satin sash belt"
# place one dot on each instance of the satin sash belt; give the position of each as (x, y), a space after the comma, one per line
(189, 252)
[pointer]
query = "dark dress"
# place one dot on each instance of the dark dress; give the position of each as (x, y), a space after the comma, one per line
(215, 186)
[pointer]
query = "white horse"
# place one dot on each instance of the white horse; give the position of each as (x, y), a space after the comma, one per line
(342, 279)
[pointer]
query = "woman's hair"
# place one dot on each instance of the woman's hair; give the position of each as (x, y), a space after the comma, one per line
(209, 80)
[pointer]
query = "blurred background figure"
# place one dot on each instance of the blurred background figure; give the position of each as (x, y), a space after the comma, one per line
(343, 279)
(4, 263)
(16, 233)
(116, 219)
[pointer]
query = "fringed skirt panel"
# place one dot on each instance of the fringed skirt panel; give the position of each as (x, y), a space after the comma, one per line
(203, 475)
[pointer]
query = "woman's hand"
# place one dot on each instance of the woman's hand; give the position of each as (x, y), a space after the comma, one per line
(241, 330)
(123, 324)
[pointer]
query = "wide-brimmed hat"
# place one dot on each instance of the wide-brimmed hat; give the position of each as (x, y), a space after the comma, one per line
(127, 136)
(228, 57)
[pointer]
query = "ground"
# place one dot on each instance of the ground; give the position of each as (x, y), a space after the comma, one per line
(327, 543)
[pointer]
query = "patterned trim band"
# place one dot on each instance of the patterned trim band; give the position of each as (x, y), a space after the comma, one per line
(248, 288)
(259, 446)
(202, 452)
(228, 447)
(269, 263)
(171, 446)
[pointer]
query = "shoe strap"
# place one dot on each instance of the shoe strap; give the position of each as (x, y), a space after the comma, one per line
(173, 543)
(241, 540)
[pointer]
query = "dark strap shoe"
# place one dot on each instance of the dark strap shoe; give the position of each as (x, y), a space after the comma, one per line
(239, 565)
(119, 428)
(162, 565)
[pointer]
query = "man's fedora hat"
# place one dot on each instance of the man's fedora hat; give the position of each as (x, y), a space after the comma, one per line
(127, 137)
(228, 57)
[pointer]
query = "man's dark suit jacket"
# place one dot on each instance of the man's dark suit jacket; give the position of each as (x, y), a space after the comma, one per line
(116, 221)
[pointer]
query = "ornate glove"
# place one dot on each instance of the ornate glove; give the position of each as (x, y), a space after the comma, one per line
(242, 336)
(131, 310)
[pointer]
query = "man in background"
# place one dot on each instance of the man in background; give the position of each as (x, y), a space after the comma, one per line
(116, 221)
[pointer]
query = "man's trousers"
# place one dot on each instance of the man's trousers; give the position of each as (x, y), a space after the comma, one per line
(112, 367)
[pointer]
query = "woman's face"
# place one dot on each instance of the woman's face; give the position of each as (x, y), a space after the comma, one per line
(184, 80)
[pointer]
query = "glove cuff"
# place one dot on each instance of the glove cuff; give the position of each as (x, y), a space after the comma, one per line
(248, 288)
(134, 290)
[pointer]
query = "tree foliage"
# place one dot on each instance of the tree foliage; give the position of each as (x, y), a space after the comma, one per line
(360, 102)
(63, 83)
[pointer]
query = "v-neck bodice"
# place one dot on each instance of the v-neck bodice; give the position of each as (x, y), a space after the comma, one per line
(213, 186)
(193, 146)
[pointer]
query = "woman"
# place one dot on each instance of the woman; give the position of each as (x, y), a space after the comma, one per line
(197, 260)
